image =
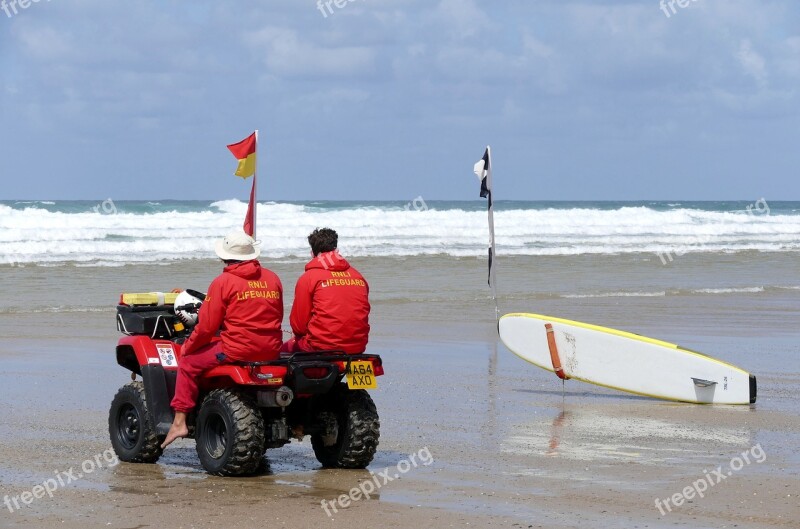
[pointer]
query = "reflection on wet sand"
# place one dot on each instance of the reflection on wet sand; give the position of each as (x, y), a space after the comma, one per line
(179, 469)
(590, 433)
(555, 433)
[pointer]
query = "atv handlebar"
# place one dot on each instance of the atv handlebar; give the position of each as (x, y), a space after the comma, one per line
(191, 308)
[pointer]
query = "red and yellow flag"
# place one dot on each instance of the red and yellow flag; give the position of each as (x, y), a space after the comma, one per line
(245, 152)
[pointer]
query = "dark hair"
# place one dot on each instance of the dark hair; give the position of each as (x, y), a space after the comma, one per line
(323, 240)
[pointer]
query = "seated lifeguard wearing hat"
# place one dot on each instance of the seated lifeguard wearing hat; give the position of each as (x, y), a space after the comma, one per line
(245, 303)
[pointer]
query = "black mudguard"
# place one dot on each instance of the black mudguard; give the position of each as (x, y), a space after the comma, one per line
(159, 388)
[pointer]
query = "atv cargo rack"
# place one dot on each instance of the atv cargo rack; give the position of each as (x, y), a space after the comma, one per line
(155, 321)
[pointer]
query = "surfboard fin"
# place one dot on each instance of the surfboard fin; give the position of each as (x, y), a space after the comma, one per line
(700, 383)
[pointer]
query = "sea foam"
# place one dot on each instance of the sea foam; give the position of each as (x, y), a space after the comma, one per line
(32, 234)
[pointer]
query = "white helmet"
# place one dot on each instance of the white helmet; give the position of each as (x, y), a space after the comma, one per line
(186, 305)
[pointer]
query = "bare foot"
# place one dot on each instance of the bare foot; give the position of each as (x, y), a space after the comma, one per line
(176, 431)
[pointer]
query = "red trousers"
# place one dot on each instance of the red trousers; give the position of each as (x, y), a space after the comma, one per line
(189, 370)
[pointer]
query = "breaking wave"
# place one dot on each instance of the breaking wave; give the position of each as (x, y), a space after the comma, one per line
(44, 232)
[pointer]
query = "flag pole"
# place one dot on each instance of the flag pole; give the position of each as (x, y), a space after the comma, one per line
(483, 170)
(492, 247)
(255, 190)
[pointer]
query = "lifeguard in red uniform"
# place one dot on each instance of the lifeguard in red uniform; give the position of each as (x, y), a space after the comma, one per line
(331, 301)
(245, 302)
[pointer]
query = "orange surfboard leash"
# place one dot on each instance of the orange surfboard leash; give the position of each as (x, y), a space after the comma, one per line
(554, 358)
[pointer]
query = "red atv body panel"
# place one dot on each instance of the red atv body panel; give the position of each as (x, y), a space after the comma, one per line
(167, 354)
(135, 352)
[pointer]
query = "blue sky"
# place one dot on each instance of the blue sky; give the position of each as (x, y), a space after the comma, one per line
(394, 99)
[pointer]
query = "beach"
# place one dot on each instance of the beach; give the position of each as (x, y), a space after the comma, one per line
(509, 445)
(609, 184)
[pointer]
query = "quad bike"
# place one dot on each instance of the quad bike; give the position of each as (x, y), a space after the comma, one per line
(243, 409)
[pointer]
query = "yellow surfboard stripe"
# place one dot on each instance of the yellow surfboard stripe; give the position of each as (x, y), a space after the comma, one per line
(623, 334)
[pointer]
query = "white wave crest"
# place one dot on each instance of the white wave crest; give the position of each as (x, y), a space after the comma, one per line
(742, 290)
(616, 295)
(35, 235)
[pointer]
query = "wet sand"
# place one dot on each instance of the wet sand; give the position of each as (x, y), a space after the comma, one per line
(511, 448)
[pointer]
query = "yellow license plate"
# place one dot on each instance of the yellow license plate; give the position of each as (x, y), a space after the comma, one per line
(360, 375)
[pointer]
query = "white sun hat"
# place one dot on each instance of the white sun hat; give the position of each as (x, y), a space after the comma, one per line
(237, 246)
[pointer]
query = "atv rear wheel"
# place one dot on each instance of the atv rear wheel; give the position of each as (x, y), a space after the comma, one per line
(130, 426)
(229, 434)
(353, 440)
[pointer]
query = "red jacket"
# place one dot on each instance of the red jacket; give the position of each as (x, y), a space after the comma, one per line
(331, 305)
(246, 302)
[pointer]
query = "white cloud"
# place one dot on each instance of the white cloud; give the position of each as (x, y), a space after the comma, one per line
(462, 18)
(45, 43)
(536, 47)
(324, 102)
(789, 57)
(752, 63)
(286, 54)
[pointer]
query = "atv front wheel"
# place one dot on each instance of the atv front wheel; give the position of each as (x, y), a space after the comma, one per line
(130, 426)
(229, 434)
(353, 431)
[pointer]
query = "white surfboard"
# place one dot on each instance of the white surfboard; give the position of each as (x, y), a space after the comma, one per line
(625, 361)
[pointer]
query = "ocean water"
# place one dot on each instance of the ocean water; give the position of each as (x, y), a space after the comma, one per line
(118, 232)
